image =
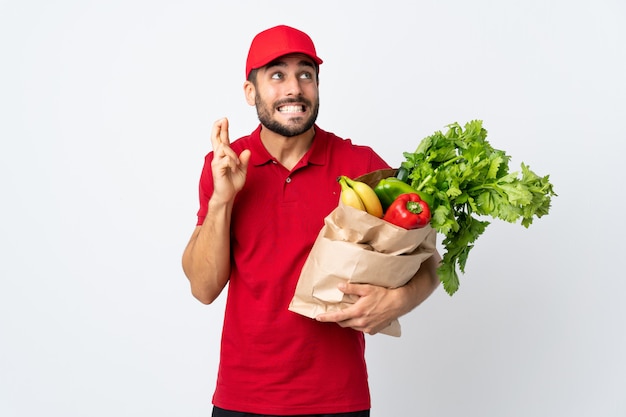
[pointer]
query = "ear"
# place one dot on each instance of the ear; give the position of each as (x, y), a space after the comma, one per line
(250, 92)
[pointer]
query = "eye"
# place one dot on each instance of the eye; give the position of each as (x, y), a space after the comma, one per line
(306, 75)
(277, 75)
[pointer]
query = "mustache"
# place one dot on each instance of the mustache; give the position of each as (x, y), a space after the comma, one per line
(292, 101)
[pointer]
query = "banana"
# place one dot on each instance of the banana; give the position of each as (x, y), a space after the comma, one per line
(368, 197)
(349, 197)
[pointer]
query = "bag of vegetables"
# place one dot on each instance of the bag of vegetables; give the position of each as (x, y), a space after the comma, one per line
(362, 248)
(456, 180)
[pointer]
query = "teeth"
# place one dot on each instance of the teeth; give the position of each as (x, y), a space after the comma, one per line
(291, 109)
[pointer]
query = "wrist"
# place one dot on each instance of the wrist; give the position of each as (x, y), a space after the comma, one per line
(217, 204)
(406, 298)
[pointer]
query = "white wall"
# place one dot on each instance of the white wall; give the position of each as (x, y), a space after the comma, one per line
(105, 114)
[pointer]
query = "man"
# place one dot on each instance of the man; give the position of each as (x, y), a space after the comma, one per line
(263, 199)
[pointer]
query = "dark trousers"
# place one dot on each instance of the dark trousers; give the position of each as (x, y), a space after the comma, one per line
(220, 412)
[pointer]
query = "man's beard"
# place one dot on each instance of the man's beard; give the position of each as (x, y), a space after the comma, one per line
(264, 112)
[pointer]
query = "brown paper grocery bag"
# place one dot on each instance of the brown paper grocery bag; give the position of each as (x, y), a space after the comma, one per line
(354, 246)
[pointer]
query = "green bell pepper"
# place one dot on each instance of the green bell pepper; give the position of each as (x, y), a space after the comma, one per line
(388, 189)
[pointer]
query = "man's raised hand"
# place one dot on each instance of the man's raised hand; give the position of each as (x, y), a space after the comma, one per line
(229, 170)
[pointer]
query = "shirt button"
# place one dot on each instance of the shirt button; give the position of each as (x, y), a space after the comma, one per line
(288, 180)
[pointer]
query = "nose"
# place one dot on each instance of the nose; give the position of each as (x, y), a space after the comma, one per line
(293, 87)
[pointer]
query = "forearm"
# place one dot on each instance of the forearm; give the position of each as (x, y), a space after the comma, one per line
(206, 259)
(420, 287)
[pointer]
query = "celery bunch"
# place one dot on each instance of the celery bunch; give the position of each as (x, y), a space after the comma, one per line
(468, 178)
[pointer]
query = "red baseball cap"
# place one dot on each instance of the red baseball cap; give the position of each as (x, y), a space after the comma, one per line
(276, 42)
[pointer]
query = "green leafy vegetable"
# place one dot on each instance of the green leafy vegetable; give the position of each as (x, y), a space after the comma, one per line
(468, 178)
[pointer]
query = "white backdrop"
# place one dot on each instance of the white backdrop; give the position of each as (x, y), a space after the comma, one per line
(105, 114)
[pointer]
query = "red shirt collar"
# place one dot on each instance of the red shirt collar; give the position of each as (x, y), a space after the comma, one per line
(316, 155)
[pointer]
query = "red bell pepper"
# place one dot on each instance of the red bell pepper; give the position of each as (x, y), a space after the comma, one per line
(408, 211)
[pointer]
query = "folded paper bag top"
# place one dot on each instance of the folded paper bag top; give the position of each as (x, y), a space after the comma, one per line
(356, 226)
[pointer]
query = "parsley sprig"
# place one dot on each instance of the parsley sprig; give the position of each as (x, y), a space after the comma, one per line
(467, 179)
